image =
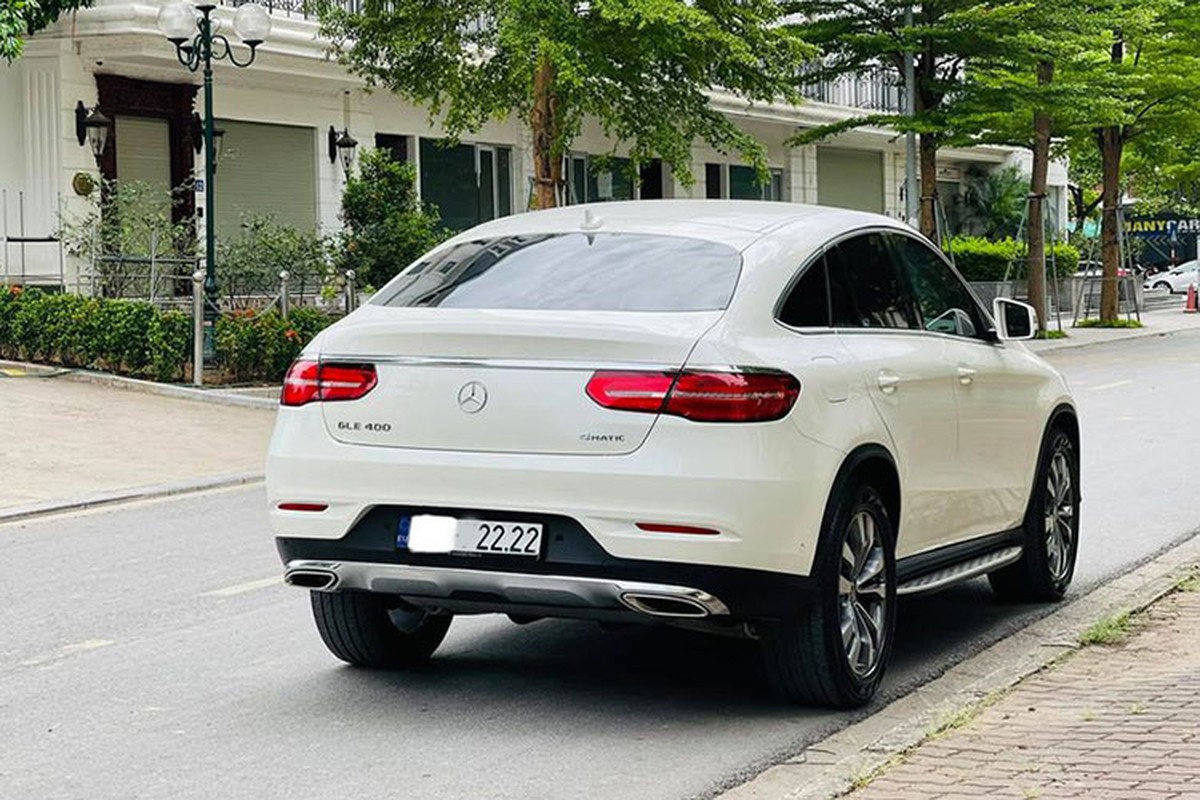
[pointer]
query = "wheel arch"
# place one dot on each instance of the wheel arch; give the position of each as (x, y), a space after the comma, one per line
(1063, 418)
(874, 464)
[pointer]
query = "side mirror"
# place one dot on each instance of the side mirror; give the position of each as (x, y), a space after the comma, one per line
(1014, 320)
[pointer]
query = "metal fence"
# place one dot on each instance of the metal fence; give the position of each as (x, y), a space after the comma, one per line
(873, 89)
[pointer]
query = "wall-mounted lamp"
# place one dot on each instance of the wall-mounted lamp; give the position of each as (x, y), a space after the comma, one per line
(198, 139)
(91, 127)
(342, 145)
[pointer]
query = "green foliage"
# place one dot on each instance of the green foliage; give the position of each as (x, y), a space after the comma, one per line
(1108, 323)
(983, 260)
(1108, 631)
(250, 262)
(121, 228)
(993, 203)
(642, 69)
(386, 225)
(21, 18)
(135, 338)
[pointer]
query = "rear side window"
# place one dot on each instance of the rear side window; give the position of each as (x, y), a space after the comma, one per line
(945, 304)
(807, 304)
(866, 287)
(573, 271)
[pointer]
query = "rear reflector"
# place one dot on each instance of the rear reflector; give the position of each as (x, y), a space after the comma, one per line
(326, 381)
(703, 396)
(302, 506)
(658, 527)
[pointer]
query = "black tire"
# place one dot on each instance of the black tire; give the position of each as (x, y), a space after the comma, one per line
(1164, 285)
(1048, 562)
(807, 658)
(377, 631)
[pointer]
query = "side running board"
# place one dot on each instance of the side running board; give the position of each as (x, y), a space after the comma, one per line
(964, 570)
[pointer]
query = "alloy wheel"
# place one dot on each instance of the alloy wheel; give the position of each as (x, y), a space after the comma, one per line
(862, 594)
(1059, 515)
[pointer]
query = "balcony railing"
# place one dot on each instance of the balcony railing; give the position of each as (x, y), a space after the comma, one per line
(300, 9)
(877, 89)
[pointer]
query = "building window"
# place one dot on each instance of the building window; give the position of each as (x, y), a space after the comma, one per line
(469, 183)
(740, 182)
(397, 147)
(594, 180)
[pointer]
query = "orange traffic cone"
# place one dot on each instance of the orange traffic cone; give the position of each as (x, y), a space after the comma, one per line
(1191, 308)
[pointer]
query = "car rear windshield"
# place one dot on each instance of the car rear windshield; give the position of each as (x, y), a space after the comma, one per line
(572, 271)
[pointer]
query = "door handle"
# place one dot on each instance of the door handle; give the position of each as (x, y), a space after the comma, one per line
(966, 375)
(888, 381)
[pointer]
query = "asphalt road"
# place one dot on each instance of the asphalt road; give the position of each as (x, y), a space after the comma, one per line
(148, 651)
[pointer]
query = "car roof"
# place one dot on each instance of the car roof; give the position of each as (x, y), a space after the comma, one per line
(737, 223)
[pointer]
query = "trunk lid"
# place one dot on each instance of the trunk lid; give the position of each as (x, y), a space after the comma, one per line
(503, 381)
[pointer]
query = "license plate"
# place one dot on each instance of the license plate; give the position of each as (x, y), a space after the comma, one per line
(429, 533)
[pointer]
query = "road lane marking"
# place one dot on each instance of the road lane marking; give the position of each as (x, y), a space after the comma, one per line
(242, 588)
(1104, 386)
(67, 651)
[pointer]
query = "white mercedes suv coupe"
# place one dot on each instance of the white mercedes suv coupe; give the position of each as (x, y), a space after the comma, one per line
(761, 418)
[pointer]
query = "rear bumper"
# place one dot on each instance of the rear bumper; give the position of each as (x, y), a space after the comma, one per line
(762, 486)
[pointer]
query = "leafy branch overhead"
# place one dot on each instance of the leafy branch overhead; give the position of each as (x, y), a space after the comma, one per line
(643, 70)
(22, 18)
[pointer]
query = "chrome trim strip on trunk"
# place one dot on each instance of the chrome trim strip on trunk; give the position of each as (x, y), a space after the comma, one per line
(498, 363)
(510, 587)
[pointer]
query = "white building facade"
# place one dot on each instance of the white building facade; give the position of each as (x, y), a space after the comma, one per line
(277, 115)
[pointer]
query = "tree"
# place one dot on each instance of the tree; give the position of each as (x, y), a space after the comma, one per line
(1152, 79)
(866, 34)
(21, 18)
(642, 69)
(1034, 84)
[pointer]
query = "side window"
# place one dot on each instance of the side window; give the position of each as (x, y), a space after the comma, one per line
(866, 288)
(807, 305)
(945, 304)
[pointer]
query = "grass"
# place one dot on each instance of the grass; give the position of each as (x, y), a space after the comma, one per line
(1190, 583)
(1110, 323)
(1049, 334)
(1108, 631)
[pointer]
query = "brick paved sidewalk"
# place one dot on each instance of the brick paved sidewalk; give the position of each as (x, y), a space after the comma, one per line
(1114, 721)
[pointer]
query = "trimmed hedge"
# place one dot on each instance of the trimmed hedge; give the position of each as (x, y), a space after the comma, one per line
(980, 259)
(136, 338)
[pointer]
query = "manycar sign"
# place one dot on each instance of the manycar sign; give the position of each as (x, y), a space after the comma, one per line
(1162, 227)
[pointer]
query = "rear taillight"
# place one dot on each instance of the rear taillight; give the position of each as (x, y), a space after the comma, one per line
(326, 381)
(703, 396)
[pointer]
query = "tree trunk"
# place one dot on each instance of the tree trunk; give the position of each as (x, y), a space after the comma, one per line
(929, 148)
(1112, 143)
(543, 123)
(1036, 272)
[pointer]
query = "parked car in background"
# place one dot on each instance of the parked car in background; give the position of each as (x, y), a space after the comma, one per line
(1094, 269)
(1175, 280)
(759, 419)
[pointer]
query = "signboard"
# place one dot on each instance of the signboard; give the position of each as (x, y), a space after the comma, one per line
(1162, 227)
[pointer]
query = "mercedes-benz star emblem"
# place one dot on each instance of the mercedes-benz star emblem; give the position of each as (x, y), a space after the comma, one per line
(472, 397)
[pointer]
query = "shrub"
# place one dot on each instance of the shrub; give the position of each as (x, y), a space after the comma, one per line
(249, 264)
(387, 227)
(135, 338)
(979, 259)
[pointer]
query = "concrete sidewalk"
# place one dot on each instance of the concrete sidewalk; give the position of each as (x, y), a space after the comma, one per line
(1118, 720)
(68, 442)
(1154, 323)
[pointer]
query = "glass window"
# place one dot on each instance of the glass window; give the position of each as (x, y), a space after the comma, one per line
(945, 304)
(608, 179)
(572, 271)
(880, 299)
(712, 182)
(807, 305)
(469, 184)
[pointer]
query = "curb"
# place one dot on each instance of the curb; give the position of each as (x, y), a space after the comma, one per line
(1139, 333)
(223, 397)
(158, 490)
(830, 767)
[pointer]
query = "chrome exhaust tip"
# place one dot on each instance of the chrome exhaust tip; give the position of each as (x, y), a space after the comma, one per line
(665, 605)
(316, 579)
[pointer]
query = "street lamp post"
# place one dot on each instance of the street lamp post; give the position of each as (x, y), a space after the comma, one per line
(190, 27)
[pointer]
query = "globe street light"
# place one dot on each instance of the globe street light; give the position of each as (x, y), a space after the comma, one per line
(189, 27)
